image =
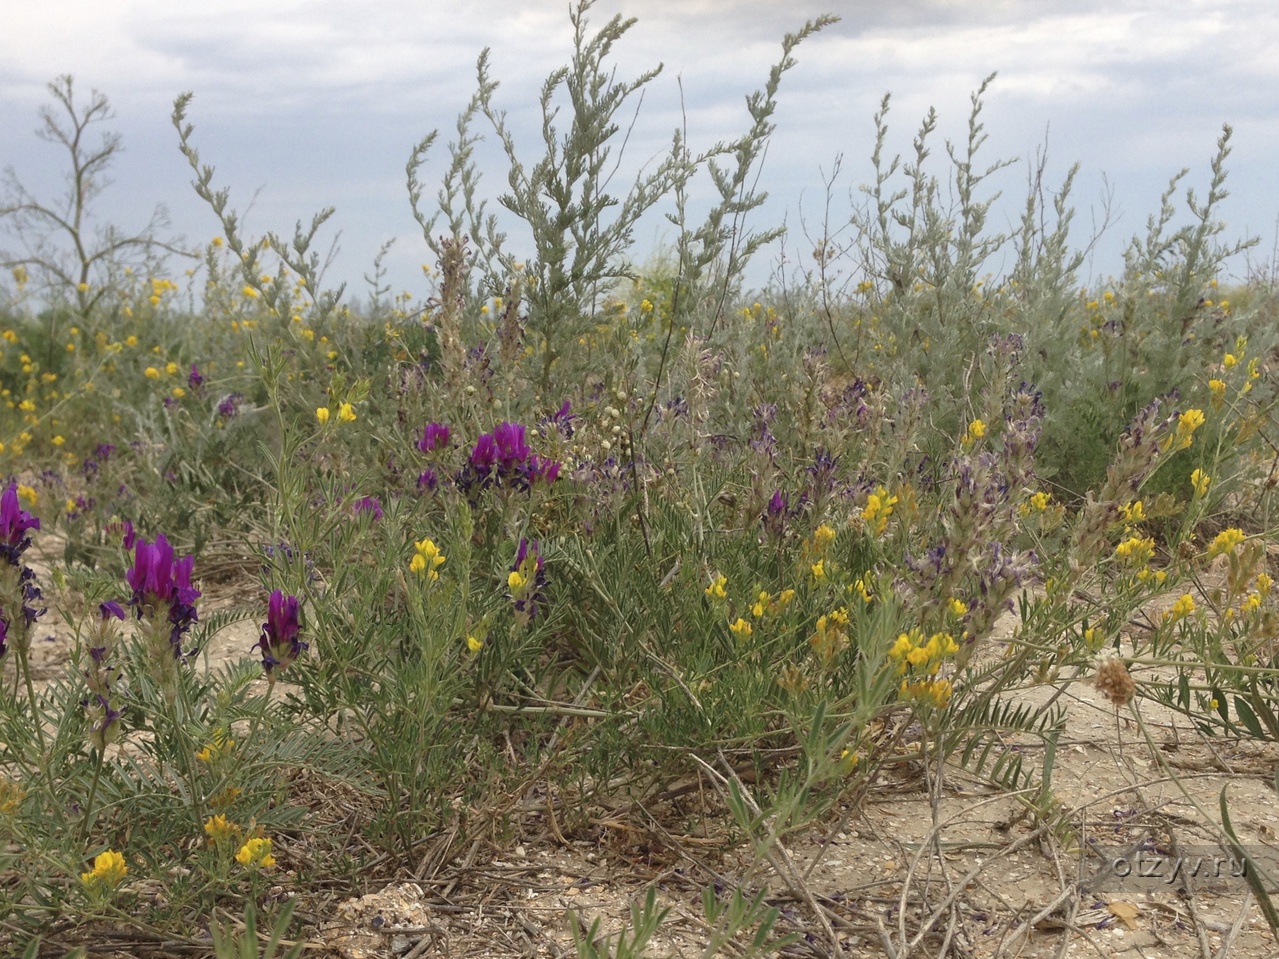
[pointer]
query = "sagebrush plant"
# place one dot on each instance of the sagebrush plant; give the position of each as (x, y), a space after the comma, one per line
(573, 526)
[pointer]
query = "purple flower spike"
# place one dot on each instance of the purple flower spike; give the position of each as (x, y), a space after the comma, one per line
(159, 582)
(195, 379)
(484, 454)
(512, 450)
(369, 504)
(435, 436)
(14, 524)
(281, 641)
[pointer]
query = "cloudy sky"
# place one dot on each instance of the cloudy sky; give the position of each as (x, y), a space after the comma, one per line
(302, 104)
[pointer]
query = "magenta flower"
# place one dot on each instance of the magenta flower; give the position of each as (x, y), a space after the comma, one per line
(195, 379)
(14, 524)
(281, 641)
(512, 450)
(369, 504)
(434, 436)
(159, 581)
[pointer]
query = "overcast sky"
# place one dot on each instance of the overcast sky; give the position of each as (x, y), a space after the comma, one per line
(311, 103)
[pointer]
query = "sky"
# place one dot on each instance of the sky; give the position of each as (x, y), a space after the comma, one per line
(305, 104)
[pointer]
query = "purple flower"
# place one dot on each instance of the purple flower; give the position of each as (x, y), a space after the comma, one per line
(4, 636)
(281, 641)
(111, 608)
(428, 480)
(434, 436)
(484, 455)
(14, 524)
(369, 504)
(229, 405)
(159, 581)
(512, 450)
(195, 379)
(527, 581)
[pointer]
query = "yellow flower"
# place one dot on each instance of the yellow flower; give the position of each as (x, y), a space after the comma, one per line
(1229, 361)
(1134, 512)
(474, 645)
(427, 559)
(109, 870)
(1224, 542)
(256, 854)
(958, 607)
(1264, 582)
(1199, 480)
(151, 373)
(823, 536)
(219, 829)
(716, 589)
(250, 292)
(346, 413)
(11, 796)
(179, 392)
(976, 430)
(58, 440)
(1136, 550)
(879, 506)
(26, 406)
(220, 745)
(741, 629)
(819, 569)
(130, 341)
(25, 492)
(1183, 607)
(322, 414)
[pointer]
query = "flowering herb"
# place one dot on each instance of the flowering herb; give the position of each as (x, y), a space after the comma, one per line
(281, 640)
(527, 582)
(161, 585)
(434, 436)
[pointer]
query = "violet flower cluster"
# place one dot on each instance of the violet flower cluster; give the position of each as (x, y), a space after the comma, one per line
(503, 459)
(162, 589)
(281, 639)
(18, 589)
(102, 707)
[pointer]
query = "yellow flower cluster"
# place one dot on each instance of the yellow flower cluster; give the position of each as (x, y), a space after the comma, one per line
(831, 636)
(220, 830)
(427, 560)
(741, 628)
(769, 605)
(1224, 543)
(1187, 423)
(219, 746)
(922, 656)
(1136, 550)
(716, 589)
(346, 414)
(879, 506)
(109, 870)
(255, 854)
(1183, 607)
(976, 430)
(1199, 481)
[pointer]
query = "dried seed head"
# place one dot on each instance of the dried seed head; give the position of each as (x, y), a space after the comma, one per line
(1113, 680)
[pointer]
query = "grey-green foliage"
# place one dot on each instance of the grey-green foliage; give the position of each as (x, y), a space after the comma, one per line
(295, 255)
(580, 230)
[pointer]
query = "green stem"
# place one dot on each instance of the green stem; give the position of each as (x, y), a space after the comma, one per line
(93, 795)
(36, 719)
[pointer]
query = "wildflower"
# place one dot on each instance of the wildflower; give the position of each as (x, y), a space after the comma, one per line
(109, 870)
(163, 596)
(151, 373)
(823, 536)
(195, 379)
(11, 796)
(716, 589)
(1225, 542)
(741, 628)
(427, 559)
(255, 854)
(1135, 550)
(322, 414)
(219, 829)
(1183, 607)
(474, 645)
(14, 524)
(219, 745)
(281, 641)
(526, 581)
(1187, 423)
(346, 413)
(957, 607)
(879, 506)
(369, 504)
(1199, 481)
(1040, 500)
(434, 436)
(1134, 512)
(818, 569)
(229, 405)
(976, 430)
